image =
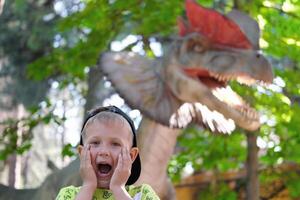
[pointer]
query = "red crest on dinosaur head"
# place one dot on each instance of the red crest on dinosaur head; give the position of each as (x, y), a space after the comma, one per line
(219, 29)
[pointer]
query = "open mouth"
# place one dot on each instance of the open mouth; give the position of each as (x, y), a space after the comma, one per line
(206, 77)
(104, 169)
(221, 91)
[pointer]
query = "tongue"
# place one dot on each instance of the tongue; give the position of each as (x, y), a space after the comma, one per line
(104, 168)
(212, 83)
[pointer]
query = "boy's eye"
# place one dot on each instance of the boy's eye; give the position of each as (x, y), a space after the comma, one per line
(95, 142)
(116, 144)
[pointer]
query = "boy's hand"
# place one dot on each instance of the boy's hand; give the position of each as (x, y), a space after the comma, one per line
(86, 169)
(122, 171)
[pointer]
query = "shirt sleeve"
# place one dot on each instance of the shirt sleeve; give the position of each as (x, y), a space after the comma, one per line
(148, 193)
(67, 193)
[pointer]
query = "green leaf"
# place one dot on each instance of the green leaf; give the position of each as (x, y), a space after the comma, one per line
(68, 150)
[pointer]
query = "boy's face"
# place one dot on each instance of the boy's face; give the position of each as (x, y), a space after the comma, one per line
(106, 141)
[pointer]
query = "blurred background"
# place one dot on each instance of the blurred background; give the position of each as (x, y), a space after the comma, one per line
(49, 79)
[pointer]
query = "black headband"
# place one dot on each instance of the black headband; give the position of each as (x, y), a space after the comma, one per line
(136, 165)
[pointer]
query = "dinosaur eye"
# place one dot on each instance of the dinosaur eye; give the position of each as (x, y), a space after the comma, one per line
(194, 43)
(197, 48)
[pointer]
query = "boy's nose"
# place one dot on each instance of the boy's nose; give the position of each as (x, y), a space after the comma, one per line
(103, 152)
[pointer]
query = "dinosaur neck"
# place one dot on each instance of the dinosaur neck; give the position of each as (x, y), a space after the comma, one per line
(155, 158)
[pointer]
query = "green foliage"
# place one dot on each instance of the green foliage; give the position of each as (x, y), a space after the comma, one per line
(68, 151)
(17, 133)
(280, 31)
(96, 26)
(205, 151)
(25, 36)
(220, 191)
(83, 35)
(290, 179)
(293, 185)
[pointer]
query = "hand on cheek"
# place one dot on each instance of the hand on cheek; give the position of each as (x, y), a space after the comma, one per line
(122, 171)
(87, 172)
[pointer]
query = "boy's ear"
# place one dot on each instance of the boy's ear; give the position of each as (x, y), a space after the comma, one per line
(79, 149)
(134, 151)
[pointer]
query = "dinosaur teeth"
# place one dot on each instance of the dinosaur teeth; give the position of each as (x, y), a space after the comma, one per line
(233, 100)
(214, 120)
(241, 79)
(200, 113)
(228, 96)
(248, 111)
(246, 80)
(221, 77)
(263, 84)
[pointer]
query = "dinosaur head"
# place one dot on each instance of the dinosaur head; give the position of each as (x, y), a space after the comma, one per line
(213, 50)
(190, 83)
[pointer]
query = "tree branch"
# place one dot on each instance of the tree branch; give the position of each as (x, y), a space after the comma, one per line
(1, 5)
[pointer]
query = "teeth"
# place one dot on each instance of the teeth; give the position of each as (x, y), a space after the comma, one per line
(246, 80)
(228, 96)
(198, 112)
(263, 84)
(232, 99)
(247, 111)
(241, 79)
(222, 77)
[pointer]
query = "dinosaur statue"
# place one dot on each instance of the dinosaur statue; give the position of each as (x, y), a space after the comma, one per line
(189, 84)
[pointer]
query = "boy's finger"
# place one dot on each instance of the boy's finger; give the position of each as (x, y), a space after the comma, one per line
(127, 157)
(82, 156)
(122, 158)
(121, 162)
(86, 158)
(82, 152)
(119, 165)
(125, 153)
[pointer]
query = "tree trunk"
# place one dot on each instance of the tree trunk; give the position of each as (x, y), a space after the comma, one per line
(96, 92)
(156, 144)
(12, 163)
(1, 6)
(252, 188)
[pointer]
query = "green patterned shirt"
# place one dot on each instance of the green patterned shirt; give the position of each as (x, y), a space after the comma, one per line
(142, 192)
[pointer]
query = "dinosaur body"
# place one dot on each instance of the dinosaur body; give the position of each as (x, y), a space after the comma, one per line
(189, 84)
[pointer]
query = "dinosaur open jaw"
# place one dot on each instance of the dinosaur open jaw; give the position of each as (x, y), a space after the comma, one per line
(213, 119)
(205, 77)
(226, 97)
(218, 85)
(214, 80)
(233, 100)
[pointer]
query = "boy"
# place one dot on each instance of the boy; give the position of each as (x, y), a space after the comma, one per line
(109, 159)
